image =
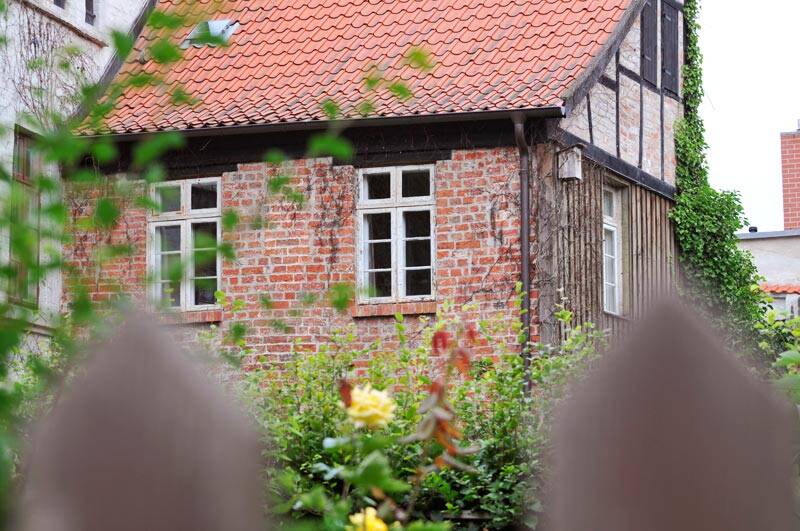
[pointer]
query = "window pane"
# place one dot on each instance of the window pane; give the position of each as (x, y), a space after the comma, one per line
(610, 298)
(379, 185)
(204, 235)
(418, 253)
(609, 270)
(205, 263)
(379, 284)
(416, 183)
(171, 293)
(418, 224)
(170, 267)
(380, 256)
(204, 289)
(169, 238)
(608, 203)
(609, 242)
(418, 282)
(204, 195)
(169, 198)
(379, 226)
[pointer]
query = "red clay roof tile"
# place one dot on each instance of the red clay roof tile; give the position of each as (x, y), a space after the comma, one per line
(781, 288)
(287, 58)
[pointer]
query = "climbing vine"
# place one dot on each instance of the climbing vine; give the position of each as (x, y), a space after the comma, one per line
(720, 278)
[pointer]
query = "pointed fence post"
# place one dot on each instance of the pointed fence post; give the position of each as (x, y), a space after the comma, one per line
(671, 433)
(141, 440)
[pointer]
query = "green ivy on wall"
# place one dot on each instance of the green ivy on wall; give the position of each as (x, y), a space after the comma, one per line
(720, 278)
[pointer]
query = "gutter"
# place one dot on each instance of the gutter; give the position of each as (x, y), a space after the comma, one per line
(310, 125)
(525, 239)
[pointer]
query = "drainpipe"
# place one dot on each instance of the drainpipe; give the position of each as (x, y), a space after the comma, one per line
(524, 239)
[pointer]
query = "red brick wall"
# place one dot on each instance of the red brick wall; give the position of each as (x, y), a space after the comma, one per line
(106, 278)
(291, 250)
(790, 164)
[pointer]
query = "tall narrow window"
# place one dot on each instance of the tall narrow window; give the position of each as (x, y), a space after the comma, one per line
(649, 43)
(612, 251)
(24, 230)
(184, 239)
(669, 48)
(396, 228)
(90, 13)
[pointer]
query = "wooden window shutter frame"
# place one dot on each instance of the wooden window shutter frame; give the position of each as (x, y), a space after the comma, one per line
(669, 48)
(649, 42)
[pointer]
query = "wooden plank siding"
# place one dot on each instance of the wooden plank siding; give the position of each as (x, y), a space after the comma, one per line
(648, 248)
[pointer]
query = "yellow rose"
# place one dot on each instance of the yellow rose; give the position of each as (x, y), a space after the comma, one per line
(367, 520)
(370, 407)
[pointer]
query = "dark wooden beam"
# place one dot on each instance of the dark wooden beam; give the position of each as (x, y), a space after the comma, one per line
(620, 167)
(373, 146)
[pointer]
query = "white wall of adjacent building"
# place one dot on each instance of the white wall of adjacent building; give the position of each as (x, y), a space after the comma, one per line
(31, 27)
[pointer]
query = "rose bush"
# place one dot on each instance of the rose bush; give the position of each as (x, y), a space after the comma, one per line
(394, 443)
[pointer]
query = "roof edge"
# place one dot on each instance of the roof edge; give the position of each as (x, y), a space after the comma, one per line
(470, 116)
(591, 74)
(768, 234)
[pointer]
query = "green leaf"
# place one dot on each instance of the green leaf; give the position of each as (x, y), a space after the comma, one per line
(230, 219)
(154, 147)
(788, 359)
(420, 59)
(328, 144)
(220, 297)
(400, 90)
(164, 52)
(180, 96)
(237, 333)
(266, 301)
(103, 151)
(106, 213)
(226, 251)
(277, 183)
(366, 108)
(341, 295)
(331, 109)
(274, 156)
(123, 43)
(375, 471)
(159, 19)
(315, 500)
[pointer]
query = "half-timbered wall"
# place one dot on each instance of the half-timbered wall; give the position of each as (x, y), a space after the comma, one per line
(648, 247)
(631, 110)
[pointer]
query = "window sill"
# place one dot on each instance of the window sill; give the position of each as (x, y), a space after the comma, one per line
(211, 315)
(621, 317)
(391, 308)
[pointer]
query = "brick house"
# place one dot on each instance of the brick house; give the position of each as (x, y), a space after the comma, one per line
(538, 150)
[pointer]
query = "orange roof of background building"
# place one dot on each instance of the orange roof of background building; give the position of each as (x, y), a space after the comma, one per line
(287, 57)
(780, 288)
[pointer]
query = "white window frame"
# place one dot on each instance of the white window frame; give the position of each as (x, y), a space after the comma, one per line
(396, 206)
(613, 224)
(184, 218)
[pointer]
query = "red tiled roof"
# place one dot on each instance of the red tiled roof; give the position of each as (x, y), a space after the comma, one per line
(781, 288)
(287, 57)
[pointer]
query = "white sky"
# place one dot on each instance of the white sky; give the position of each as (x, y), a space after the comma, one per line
(752, 85)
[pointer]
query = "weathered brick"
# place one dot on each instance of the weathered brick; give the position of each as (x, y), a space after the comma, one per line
(307, 250)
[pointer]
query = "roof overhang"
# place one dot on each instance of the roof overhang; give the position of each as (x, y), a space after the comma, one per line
(377, 121)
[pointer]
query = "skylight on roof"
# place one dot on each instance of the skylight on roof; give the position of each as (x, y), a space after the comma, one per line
(211, 33)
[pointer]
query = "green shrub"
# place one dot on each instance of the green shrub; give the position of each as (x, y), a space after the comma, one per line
(297, 404)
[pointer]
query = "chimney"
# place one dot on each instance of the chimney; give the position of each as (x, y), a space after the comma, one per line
(790, 169)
